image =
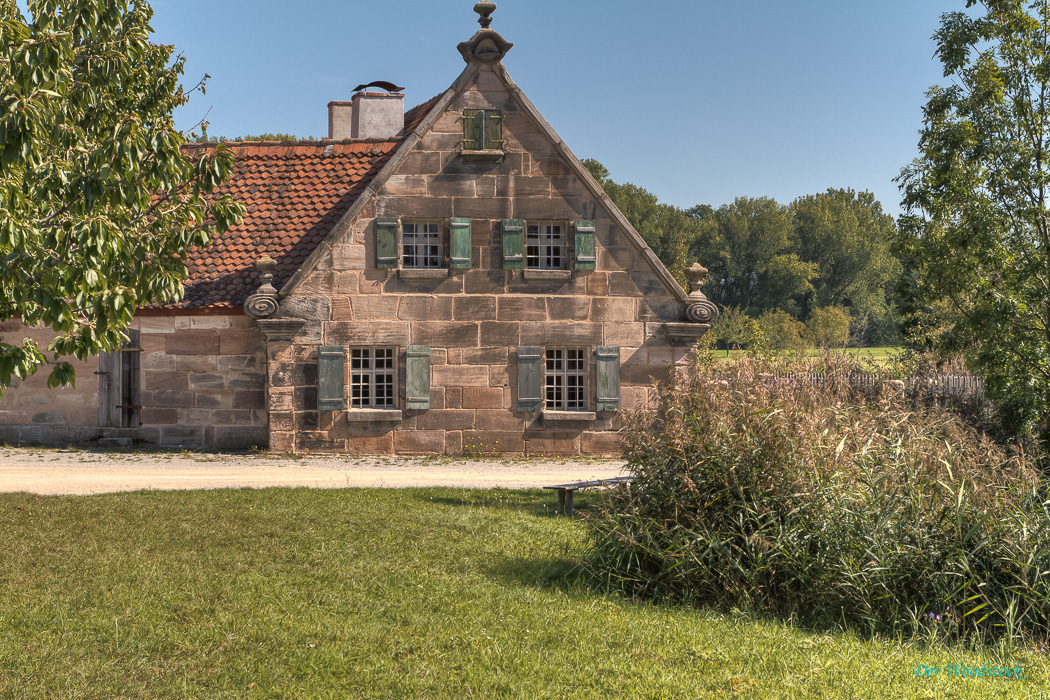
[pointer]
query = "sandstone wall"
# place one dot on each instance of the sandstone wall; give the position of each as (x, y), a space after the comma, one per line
(30, 412)
(474, 319)
(202, 384)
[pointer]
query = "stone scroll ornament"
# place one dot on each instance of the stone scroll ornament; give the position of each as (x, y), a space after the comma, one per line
(263, 303)
(698, 308)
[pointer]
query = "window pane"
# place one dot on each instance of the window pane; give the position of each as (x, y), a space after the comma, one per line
(421, 244)
(565, 381)
(545, 246)
(373, 377)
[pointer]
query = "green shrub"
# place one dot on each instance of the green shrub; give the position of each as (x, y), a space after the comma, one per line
(782, 331)
(828, 504)
(828, 327)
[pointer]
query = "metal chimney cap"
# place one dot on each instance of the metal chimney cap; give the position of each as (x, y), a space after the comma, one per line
(381, 84)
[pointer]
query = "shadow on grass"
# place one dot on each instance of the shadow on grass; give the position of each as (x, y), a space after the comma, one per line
(537, 502)
(569, 575)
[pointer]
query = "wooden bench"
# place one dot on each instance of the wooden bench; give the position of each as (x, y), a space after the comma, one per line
(565, 491)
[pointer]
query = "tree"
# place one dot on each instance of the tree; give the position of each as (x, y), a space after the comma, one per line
(98, 206)
(976, 230)
(752, 260)
(203, 137)
(664, 228)
(781, 330)
(828, 327)
(847, 237)
(732, 328)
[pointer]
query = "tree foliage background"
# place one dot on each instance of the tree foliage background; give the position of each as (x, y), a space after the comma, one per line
(825, 250)
(97, 204)
(976, 236)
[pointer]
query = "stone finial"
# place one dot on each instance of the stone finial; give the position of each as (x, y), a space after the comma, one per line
(265, 266)
(698, 309)
(486, 46)
(485, 8)
(697, 275)
(263, 303)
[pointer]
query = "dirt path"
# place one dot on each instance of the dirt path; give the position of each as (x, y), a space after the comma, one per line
(75, 471)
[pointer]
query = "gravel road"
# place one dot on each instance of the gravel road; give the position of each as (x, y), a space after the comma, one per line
(76, 471)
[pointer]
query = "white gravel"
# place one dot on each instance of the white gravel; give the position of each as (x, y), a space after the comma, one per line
(75, 471)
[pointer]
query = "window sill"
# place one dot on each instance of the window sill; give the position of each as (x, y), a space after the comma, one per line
(531, 274)
(373, 415)
(569, 416)
(483, 154)
(423, 273)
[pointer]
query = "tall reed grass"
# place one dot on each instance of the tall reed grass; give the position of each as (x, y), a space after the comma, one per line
(866, 509)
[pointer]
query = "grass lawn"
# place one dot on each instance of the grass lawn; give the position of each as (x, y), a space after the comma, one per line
(437, 593)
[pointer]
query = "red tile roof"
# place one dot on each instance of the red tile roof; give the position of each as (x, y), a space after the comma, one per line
(294, 192)
(417, 113)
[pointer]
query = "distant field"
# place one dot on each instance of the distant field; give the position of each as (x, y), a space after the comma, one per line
(879, 354)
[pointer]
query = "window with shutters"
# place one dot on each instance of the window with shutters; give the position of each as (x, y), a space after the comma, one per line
(565, 379)
(373, 377)
(482, 130)
(421, 244)
(545, 246)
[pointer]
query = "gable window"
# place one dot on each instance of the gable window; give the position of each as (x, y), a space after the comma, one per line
(420, 249)
(421, 244)
(373, 373)
(566, 379)
(545, 246)
(482, 130)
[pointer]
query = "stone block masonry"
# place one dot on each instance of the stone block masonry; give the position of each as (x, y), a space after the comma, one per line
(201, 384)
(473, 319)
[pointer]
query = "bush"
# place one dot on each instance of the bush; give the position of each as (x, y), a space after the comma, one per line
(829, 504)
(828, 327)
(733, 328)
(782, 331)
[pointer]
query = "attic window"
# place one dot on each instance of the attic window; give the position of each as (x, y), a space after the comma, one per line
(421, 244)
(483, 131)
(544, 246)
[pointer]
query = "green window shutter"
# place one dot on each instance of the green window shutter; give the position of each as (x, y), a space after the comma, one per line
(330, 377)
(513, 244)
(493, 129)
(585, 250)
(530, 378)
(459, 243)
(472, 129)
(417, 394)
(608, 378)
(386, 243)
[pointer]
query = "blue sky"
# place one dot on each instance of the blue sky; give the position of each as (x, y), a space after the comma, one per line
(697, 101)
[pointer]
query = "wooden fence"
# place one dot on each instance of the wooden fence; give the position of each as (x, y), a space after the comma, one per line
(946, 385)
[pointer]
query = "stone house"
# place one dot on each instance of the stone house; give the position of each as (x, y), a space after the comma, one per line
(428, 281)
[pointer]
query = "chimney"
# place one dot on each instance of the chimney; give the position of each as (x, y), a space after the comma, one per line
(376, 115)
(339, 114)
